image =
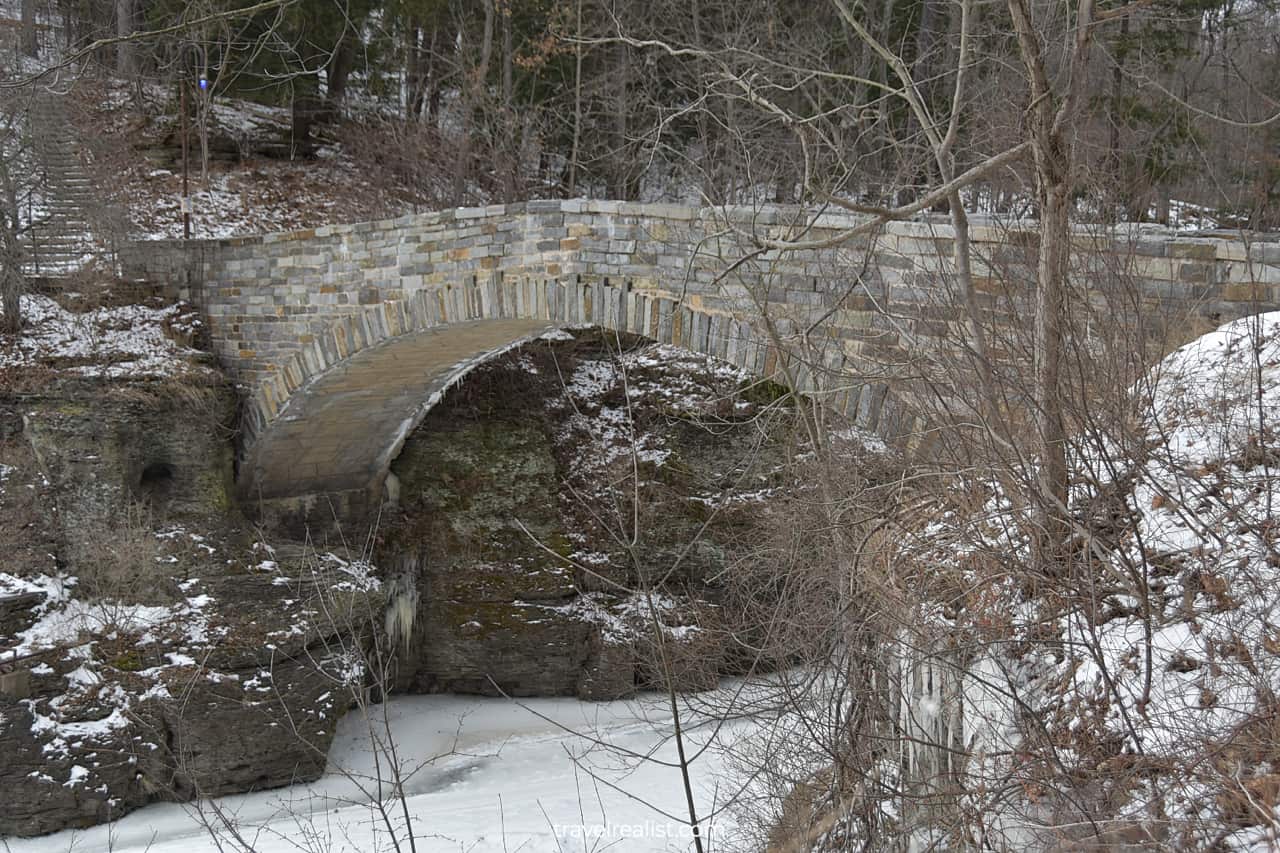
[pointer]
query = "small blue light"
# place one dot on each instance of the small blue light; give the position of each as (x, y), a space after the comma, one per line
(204, 84)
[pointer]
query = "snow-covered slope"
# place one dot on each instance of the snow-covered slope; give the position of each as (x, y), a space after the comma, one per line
(1187, 673)
(1135, 699)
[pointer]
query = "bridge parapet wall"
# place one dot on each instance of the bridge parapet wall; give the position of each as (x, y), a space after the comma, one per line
(275, 301)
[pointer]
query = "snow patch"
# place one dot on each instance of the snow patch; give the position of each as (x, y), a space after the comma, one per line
(124, 342)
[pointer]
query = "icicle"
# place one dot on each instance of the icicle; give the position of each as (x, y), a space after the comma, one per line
(391, 488)
(402, 604)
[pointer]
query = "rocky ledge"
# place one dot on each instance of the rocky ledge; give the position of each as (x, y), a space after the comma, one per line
(153, 645)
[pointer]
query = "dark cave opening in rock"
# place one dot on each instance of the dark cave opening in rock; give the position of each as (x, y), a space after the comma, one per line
(155, 485)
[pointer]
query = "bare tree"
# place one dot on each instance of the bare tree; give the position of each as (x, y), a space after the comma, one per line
(14, 191)
(29, 42)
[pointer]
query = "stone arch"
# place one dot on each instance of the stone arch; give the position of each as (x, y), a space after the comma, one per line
(319, 436)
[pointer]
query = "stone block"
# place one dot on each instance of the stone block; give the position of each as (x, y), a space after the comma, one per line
(1246, 293)
(1201, 273)
(677, 212)
(1198, 249)
(16, 685)
(892, 259)
(606, 207)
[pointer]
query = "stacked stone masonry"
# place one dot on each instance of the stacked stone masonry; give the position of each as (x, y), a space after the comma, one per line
(288, 308)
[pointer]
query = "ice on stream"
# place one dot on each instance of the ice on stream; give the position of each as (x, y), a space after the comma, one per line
(479, 774)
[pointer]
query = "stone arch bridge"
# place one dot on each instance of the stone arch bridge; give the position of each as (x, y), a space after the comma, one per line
(344, 336)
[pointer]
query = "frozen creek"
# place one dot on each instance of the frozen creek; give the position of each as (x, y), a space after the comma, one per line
(482, 774)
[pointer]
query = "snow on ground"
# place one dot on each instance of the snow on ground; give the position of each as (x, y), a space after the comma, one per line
(480, 775)
(627, 620)
(1163, 654)
(1187, 216)
(260, 197)
(130, 341)
(66, 621)
(1203, 501)
(10, 584)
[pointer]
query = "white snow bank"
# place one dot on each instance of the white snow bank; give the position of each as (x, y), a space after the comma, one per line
(1203, 502)
(1166, 647)
(66, 621)
(52, 587)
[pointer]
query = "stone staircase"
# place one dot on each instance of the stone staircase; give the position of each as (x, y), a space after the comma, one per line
(61, 233)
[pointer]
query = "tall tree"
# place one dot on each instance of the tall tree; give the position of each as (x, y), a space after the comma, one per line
(11, 198)
(125, 48)
(27, 36)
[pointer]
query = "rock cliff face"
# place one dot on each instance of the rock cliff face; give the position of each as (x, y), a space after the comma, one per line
(150, 646)
(114, 723)
(548, 501)
(103, 447)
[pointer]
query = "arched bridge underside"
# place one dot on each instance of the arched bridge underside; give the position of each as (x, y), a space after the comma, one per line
(343, 336)
(374, 376)
(342, 432)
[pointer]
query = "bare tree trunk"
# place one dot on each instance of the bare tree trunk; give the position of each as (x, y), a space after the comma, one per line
(424, 100)
(1048, 117)
(577, 107)
(710, 179)
(1125, 189)
(474, 88)
(884, 118)
(1051, 272)
(415, 84)
(423, 96)
(10, 285)
(511, 141)
(508, 57)
(336, 74)
(11, 280)
(29, 44)
(926, 38)
(433, 84)
(124, 28)
(306, 108)
(622, 166)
